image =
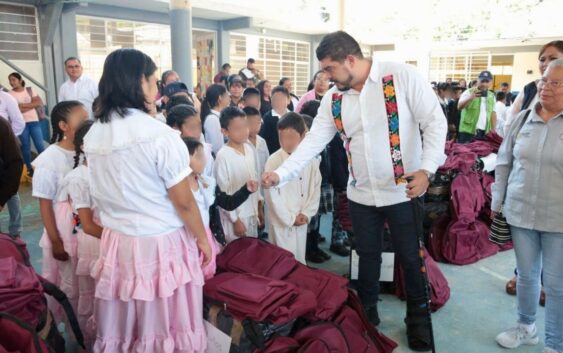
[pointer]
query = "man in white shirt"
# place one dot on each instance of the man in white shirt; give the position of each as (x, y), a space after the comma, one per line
(364, 108)
(500, 111)
(78, 87)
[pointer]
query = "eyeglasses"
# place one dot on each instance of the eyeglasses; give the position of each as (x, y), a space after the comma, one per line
(552, 84)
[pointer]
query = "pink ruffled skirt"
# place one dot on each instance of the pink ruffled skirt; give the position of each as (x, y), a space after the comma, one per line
(88, 251)
(149, 294)
(61, 273)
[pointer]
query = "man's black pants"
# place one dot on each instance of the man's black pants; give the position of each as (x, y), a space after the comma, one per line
(368, 223)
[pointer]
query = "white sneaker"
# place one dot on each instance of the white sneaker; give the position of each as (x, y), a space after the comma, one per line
(549, 350)
(517, 336)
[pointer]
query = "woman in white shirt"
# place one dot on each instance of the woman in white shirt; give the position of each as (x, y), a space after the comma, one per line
(148, 277)
(216, 99)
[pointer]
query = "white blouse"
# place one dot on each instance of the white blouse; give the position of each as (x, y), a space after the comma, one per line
(78, 187)
(133, 161)
(205, 197)
(50, 168)
(213, 134)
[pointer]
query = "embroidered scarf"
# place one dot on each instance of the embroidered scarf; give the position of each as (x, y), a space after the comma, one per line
(393, 125)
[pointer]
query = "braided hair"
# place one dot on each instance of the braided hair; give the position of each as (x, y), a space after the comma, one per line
(60, 113)
(79, 140)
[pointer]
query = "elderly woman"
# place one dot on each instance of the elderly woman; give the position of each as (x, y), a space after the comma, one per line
(529, 181)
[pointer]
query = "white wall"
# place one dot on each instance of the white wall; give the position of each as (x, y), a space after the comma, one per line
(523, 62)
(33, 68)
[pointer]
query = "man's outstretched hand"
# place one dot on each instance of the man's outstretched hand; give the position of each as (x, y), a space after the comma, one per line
(270, 179)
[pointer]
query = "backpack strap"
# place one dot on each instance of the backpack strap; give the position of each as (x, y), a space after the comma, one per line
(393, 124)
(337, 115)
(24, 325)
(61, 297)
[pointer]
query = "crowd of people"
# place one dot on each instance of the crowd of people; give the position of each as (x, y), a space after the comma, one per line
(161, 179)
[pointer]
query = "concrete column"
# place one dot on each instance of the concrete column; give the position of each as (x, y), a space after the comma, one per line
(181, 39)
(223, 46)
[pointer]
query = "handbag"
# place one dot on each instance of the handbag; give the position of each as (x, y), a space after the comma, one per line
(500, 229)
(40, 109)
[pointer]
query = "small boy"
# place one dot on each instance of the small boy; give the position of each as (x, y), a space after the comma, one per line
(292, 206)
(251, 97)
(259, 145)
(236, 163)
(280, 100)
(501, 110)
(185, 118)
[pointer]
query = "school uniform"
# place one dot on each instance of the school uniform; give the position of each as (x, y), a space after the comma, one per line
(212, 131)
(262, 153)
(88, 250)
(208, 171)
(301, 195)
(269, 130)
(51, 167)
(232, 170)
(149, 283)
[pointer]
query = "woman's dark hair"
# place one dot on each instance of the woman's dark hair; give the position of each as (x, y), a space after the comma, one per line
(260, 87)
(176, 116)
(120, 86)
(311, 108)
(337, 46)
(60, 113)
(192, 144)
(79, 140)
(18, 76)
(557, 44)
(211, 100)
(293, 121)
(228, 114)
(283, 80)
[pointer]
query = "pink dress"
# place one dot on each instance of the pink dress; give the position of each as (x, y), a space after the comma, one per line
(149, 282)
(50, 169)
(88, 251)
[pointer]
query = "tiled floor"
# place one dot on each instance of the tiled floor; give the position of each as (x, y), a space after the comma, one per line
(477, 311)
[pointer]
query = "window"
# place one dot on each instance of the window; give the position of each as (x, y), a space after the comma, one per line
(18, 32)
(97, 37)
(458, 66)
(275, 58)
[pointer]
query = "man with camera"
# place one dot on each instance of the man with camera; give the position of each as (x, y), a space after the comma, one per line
(477, 106)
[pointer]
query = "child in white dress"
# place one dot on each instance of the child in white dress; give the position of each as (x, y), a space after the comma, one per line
(292, 205)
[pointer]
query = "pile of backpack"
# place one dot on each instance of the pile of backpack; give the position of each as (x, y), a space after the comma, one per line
(26, 324)
(458, 205)
(267, 302)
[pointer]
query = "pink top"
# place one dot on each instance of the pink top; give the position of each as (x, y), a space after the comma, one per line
(309, 96)
(23, 97)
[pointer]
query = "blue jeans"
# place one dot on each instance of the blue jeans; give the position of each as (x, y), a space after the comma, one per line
(33, 132)
(536, 250)
(14, 208)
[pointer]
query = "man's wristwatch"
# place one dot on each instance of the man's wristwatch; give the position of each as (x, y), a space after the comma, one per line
(430, 175)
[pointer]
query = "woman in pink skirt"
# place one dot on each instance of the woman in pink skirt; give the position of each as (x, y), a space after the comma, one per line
(148, 276)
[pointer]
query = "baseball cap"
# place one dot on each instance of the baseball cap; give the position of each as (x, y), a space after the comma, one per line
(174, 87)
(486, 75)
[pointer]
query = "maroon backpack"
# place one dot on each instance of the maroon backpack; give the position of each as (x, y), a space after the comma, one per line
(251, 255)
(466, 239)
(23, 304)
(437, 236)
(249, 296)
(439, 287)
(331, 290)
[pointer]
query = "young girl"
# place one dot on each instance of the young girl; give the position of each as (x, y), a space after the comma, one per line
(59, 240)
(208, 196)
(88, 236)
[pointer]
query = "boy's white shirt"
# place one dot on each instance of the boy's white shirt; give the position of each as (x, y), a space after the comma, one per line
(232, 171)
(301, 195)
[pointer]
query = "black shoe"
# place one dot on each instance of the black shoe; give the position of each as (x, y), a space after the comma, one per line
(340, 249)
(418, 328)
(373, 316)
(315, 257)
(325, 255)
